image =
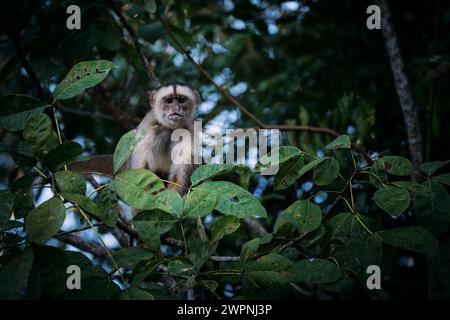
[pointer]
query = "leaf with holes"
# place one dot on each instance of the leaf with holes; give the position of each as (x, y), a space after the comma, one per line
(16, 109)
(396, 165)
(326, 172)
(170, 202)
(307, 215)
(341, 142)
(411, 238)
(44, 222)
(224, 225)
(135, 187)
(83, 75)
(393, 200)
(199, 202)
(233, 200)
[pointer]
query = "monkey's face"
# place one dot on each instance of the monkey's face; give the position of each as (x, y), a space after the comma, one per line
(175, 105)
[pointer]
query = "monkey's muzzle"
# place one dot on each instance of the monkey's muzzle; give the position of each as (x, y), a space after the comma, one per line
(175, 116)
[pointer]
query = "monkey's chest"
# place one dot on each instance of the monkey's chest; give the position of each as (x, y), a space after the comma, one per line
(159, 155)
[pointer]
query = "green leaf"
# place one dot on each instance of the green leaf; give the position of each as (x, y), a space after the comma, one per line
(341, 142)
(233, 200)
(346, 226)
(14, 275)
(199, 203)
(68, 181)
(396, 165)
(200, 251)
(151, 32)
(249, 250)
(150, 6)
(304, 170)
(306, 215)
(431, 167)
(432, 209)
(83, 75)
(326, 172)
(411, 238)
(285, 224)
(44, 222)
(135, 294)
(170, 202)
(150, 225)
(411, 186)
(287, 173)
(37, 131)
(316, 271)
(130, 257)
(377, 176)
(64, 153)
(443, 178)
(285, 153)
(180, 266)
(135, 187)
(124, 149)
(209, 171)
(6, 207)
(83, 201)
(16, 109)
(271, 270)
(108, 206)
(393, 200)
(224, 225)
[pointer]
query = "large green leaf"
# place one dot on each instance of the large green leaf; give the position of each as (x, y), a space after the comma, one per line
(271, 270)
(44, 222)
(16, 109)
(14, 275)
(108, 206)
(209, 171)
(68, 181)
(37, 131)
(124, 149)
(6, 207)
(411, 238)
(432, 208)
(83, 75)
(443, 178)
(396, 165)
(285, 153)
(307, 215)
(130, 257)
(64, 153)
(82, 201)
(326, 172)
(287, 173)
(135, 187)
(150, 225)
(171, 202)
(393, 200)
(224, 225)
(431, 167)
(316, 271)
(249, 250)
(233, 200)
(199, 203)
(306, 168)
(341, 142)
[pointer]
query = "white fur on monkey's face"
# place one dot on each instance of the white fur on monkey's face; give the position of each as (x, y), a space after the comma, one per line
(174, 105)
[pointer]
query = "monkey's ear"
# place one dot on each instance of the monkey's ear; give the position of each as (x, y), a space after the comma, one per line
(151, 98)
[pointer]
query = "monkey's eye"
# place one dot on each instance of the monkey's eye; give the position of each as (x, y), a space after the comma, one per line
(181, 100)
(170, 100)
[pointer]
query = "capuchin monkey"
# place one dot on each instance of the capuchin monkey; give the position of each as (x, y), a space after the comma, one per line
(173, 106)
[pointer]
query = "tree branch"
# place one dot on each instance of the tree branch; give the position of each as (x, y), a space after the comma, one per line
(244, 110)
(91, 247)
(401, 83)
(147, 67)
